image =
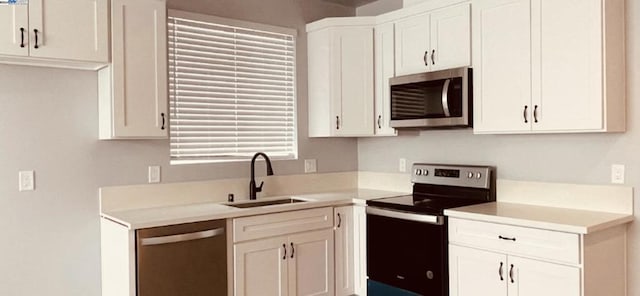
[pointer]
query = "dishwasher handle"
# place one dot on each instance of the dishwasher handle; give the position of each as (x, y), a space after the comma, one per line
(176, 238)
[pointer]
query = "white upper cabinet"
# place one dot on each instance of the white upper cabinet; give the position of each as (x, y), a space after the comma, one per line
(413, 45)
(501, 65)
(341, 82)
(133, 90)
(70, 29)
(14, 32)
(548, 66)
(70, 33)
(451, 37)
(433, 41)
(567, 64)
(384, 65)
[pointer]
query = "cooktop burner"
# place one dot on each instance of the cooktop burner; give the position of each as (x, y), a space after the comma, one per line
(409, 203)
(440, 187)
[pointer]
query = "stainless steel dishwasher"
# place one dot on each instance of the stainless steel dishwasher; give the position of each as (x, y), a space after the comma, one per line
(185, 259)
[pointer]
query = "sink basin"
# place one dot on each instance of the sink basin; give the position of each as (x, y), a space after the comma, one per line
(266, 203)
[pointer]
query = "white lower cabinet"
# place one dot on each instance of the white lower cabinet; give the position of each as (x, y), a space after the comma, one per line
(350, 250)
(504, 260)
(261, 267)
(474, 272)
(298, 263)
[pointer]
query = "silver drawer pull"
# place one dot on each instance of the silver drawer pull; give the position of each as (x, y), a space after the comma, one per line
(159, 240)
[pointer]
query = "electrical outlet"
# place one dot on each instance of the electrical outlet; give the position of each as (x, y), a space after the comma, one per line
(402, 165)
(154, 174)
(617, 173)
(310, 166)
(26, 181)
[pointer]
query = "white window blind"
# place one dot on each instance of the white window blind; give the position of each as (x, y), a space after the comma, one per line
(232, 90)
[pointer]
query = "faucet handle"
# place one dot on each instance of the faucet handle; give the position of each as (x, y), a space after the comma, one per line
(259, 188)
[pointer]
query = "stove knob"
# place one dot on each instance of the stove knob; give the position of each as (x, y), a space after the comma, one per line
(470, 175)
(425, 172)
(478, 175)
(418, 172)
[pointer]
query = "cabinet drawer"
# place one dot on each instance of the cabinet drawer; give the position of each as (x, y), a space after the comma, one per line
(514, 240)
(262, 226)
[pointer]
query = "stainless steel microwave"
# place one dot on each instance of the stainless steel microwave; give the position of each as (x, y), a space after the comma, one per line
(440, 99)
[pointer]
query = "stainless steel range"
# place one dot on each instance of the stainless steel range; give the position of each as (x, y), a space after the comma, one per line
(407, 235)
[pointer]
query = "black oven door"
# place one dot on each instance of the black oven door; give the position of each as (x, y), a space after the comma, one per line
(407, 254)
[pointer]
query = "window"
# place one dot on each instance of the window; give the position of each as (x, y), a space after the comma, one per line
(231, 89)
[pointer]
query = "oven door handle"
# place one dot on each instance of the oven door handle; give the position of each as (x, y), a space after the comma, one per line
(445, 98)
(438, 220)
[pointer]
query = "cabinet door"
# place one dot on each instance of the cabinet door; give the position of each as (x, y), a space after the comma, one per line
(384, 44)
(70, 29)
(352, 87)
(260, 267)
(14, 30)
(311, 268)
(350, 251)
(413, 48)
(535, 278)
(502, 65)
(451, 37)
(474, 272)
(139, 37)
(567, 65)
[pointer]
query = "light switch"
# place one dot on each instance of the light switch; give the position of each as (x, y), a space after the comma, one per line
(26, 181)
(154, 174)
(617, 173)
(310, 166)
(402, 165)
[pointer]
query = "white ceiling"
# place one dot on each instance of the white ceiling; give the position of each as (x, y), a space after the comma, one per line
(352, 3)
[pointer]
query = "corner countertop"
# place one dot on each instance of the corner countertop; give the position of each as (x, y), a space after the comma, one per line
(161, 216)
(550, 218)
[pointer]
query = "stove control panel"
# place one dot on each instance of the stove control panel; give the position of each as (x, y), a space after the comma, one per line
(452, 175)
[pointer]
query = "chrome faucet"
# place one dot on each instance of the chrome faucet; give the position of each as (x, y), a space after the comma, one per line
(253, 189)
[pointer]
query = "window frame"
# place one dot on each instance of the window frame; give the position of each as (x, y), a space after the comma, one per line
(172, 13)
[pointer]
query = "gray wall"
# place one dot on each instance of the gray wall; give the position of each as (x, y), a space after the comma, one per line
(378, 7)
(568, 158)
(50, 241)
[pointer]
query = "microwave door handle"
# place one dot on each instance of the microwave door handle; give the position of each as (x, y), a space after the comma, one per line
(445, 98)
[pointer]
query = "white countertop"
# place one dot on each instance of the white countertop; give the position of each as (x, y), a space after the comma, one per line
(550, 218)
(161, 216)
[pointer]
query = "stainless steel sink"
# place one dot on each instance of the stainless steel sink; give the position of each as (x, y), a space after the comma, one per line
(265, 203)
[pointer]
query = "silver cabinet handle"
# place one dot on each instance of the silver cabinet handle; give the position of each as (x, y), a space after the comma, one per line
(511, 274)
(160, 240)
(337, 122)
(162, 114)
(425, 58)
(445, 98)
(535, 114)
(339, 220)
(524, 114)
(433, 53)
(379, 121)
(500, 271)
